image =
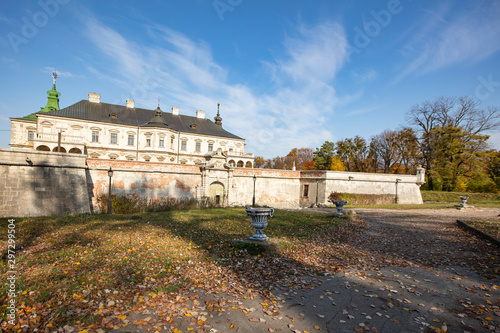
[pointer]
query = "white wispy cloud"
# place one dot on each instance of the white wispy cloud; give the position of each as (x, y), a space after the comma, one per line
(60, 73)
(494, 141)
(468, 37)
(366, 75)
(181, 70)
(363, 110)
(315, 53)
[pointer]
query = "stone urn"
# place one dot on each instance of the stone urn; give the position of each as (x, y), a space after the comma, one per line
(464, 201)
(259, 221)
(339, 204)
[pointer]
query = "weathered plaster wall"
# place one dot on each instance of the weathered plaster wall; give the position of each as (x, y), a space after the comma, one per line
(34, 183)
(275, 188)
(142, 179)
(403, 187)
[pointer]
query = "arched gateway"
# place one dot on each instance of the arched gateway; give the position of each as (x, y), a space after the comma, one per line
(216, 193)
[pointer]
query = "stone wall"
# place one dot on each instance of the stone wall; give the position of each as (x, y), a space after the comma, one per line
(34, 183)
(144, 180)
(274, 188)
(402, 189)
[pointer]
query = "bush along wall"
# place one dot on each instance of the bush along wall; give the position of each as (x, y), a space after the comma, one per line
(363, 199)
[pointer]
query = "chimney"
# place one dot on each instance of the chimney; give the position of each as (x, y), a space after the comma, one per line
(200, 114)
(175, 110)
(130, 103)
(94, 98)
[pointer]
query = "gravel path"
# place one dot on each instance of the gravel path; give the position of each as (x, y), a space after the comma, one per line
(429, 238)
(417, 272)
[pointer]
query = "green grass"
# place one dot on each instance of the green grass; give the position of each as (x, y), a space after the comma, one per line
(81, 261)
(453, 197)
(405, 207)
(441, 200)
(491, 228)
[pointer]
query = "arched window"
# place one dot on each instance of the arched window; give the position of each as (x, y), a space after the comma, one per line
(248, 164)
(240, 164)
(75, 151)
(232, 163)
(62, 150)
(43, 148)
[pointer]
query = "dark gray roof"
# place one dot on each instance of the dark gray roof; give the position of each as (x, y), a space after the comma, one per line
(102, 112)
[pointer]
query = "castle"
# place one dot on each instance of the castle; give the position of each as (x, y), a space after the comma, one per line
(124, 132)
(60, 161)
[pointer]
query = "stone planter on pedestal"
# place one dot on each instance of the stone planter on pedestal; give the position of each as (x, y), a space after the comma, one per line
(464, 204)
(259, 221)
(339, 204)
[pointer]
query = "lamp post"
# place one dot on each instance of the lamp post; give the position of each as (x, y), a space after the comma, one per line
(110, 174)
(317, 192)
(397, 182)
(253, 199)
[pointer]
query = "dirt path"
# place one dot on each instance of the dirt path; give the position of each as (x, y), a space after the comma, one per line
(429, 238)
(417, 272)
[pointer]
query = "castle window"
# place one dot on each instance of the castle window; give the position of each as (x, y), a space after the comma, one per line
(210, 147)
(306, 191)
(31, 136)
(148, 141)
(114, 139)
(230, 150)
(198, 147)
(183, 145)
(95, 136)
(161, 143)
(131, 139)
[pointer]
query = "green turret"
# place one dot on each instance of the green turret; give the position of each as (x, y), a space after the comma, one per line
(53, 99)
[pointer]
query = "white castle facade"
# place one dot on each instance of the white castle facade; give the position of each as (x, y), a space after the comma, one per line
(124, 132)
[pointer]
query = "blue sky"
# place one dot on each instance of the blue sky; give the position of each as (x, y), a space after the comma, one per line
(287, 73)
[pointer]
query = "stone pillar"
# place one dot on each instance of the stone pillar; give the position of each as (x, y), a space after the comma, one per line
(420, 175)
(228, 186)
(204, 184)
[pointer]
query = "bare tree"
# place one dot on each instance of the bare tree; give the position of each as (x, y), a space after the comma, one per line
(449, 112)
(384, 147)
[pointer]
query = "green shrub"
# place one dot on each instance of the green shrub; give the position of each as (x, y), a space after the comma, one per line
(486, 185)
(362, 199)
